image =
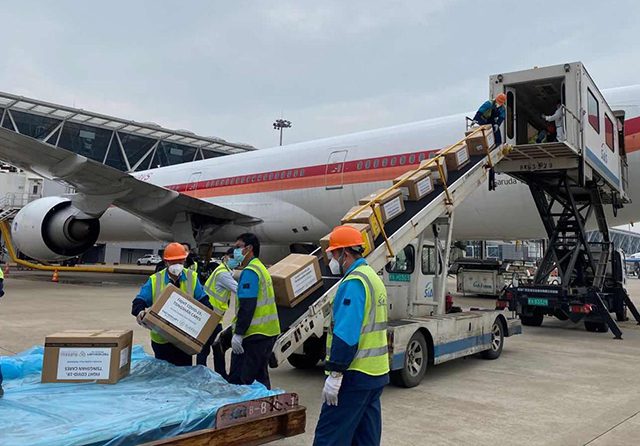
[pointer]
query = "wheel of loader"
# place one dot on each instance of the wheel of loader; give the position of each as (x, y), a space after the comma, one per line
(497, 341)
(596, 327)
(533, 320)
(416, 359)
(303, 361)
(621, 315)
(314, 351)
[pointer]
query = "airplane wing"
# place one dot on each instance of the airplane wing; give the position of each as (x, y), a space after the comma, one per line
(98, 186)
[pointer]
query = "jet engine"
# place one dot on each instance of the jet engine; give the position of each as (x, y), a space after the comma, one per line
(52, 229)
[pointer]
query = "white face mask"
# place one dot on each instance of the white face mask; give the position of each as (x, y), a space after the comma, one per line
(175, 269)
(334, 266)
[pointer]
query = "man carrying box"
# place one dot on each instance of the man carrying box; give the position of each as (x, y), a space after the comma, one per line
(256, 326)
(219, 287)
(176, 274)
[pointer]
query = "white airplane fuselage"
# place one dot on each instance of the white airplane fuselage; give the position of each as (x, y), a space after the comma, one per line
(300, 191)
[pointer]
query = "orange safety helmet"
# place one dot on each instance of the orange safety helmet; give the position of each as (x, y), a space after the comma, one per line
(501, 99)
(174, 251)
(344, 237)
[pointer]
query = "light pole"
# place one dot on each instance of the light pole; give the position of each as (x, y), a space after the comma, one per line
(281, 124)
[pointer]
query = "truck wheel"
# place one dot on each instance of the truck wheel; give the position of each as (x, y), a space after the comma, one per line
(596, 327)
(621, 315)
(416, 359)
(534, 320)
(497, 341)
(303, 361)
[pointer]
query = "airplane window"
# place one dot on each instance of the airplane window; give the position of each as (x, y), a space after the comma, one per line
(295, 173)
(276, 175)
(376, 163)
(412, 159)
(359, 166)
(403, 160)
(422, 157)
(271, 176)
(226, 182)
(259, 177)
(367, 164)
(385, 161)
(393, 161)
(301, 172)
(289, 174)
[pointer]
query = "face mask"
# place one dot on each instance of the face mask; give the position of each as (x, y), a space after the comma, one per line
(335, 266)
(237, 255)
(175, 269)
(233, 263)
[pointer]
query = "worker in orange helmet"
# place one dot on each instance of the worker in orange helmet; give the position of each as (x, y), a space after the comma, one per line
(493, 113)
(176, 274)
(357, 362)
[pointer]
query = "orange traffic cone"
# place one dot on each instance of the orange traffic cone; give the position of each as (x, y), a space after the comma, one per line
(55, 276)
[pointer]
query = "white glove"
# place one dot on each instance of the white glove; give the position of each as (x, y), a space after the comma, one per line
(331, 389)
(236, 344)
(139, 318)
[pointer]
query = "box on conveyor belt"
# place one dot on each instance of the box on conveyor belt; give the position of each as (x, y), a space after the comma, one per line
(417, 184)
(294, 278)
(457, 157)
(482, 140)
(181, 320)
(87, 355)
(366, 217)
(391, 203)
(433, 168)
(367, 236)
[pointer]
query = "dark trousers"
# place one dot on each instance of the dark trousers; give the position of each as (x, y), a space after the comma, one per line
(356, 420)
(497, 135)
(170, 353)
(219, 349)
(253, 364)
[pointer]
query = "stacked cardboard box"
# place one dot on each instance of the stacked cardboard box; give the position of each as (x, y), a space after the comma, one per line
(457, 158)
(391, 203)
(181, 320)
(367, 236)
(432, 166)
(87, 355)
(416, 184)
(481, 141)
(294, 278)
(365, 216)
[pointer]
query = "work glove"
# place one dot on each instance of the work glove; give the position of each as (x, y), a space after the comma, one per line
(139, 318)
(236, 344)
(544, 117)
(496, 127)
(331, 389)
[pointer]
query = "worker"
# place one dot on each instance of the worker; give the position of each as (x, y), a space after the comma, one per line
(256, 326)
(176, 274)
(219, 287)
(357, 362)
(192, 258)
(1, 294)
(492, 113)
(558, 119)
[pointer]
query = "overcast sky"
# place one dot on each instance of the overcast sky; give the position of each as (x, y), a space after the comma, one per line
(229, 68)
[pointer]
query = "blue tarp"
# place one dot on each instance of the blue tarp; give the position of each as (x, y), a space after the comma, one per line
(157, 400)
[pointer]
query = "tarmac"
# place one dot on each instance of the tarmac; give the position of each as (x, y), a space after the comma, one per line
(556, 384)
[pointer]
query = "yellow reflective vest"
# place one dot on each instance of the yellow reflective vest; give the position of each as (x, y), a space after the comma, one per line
(219, 299)
(158, 285)
(265, 317)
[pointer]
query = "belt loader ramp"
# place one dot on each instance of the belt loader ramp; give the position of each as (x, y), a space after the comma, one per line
(420, 331)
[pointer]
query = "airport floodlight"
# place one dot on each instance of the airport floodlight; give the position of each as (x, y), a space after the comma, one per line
(281, 124)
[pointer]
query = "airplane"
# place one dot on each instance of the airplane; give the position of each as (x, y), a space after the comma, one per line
(287, 195)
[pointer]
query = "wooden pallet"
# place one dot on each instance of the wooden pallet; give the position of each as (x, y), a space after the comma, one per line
(251, 422)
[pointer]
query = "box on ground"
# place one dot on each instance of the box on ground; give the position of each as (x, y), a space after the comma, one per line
(294, 278)
(87, 355)
(416, 184)
(181, 320)
(367, 217)
(481, 141)
(431, 166)
(457, 157)
(367, 236)
(391, 203)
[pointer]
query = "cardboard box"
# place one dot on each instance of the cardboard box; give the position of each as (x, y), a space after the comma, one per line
(294, 278)
(181, 320)
(391, 203)
(75, 356)
(457, 157)
(482, 140)
(417, 184)
(367, 236)
(366, 217)
(433, 168)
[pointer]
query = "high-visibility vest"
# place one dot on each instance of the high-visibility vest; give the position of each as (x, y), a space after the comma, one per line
(265, 317)
(194, 266)
(1, 274)
(372, 356)
(158, 286)
(219, 299)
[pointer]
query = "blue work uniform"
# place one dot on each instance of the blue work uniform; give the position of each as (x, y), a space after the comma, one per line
(357, 419)
(490, 113)
(168, 352)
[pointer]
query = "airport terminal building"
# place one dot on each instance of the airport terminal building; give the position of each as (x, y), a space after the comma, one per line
(123, 144)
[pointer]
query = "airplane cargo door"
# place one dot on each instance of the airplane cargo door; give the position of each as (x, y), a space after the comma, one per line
(193, 183)
(510, 120)
(334, 175)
